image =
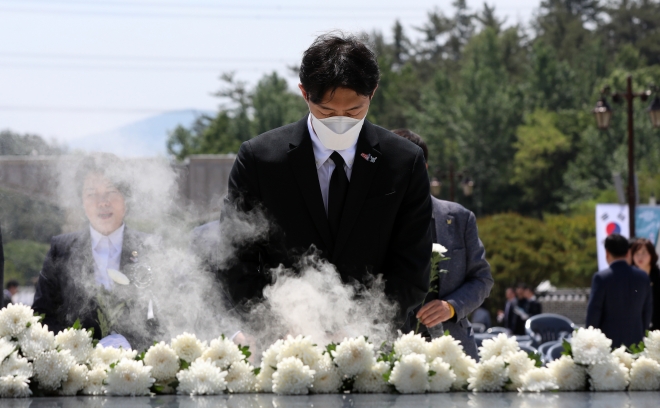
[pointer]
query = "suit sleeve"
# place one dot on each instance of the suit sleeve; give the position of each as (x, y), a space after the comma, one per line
(408, 261)
(243, 279)
(647, 313)
(596, 301)
(48, 294)
(478, 279)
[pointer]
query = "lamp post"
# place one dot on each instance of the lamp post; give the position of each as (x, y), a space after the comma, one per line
(603, 114)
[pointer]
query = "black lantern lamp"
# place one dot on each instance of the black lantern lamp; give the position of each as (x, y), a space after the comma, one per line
(603, 114)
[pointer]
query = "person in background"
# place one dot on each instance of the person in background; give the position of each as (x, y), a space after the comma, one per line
(10, 290)
(504, 316)
(517, 311)
(468, 281)
(76, 281)
(533, 307)
(620, 302)
(645, 257)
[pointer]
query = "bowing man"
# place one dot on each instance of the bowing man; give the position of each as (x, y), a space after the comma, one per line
(333, 180)
(89, 275)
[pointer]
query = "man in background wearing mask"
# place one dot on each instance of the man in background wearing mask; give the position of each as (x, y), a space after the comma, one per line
(356, 192)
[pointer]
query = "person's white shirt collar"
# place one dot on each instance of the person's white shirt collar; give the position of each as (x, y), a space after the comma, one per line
(116, 237)
(321, 153)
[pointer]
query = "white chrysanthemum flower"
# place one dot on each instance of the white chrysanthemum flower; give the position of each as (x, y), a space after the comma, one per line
(568, 375)
(129, 377)
(6, 348)
(302, 348)
(15, 319)
(52, 367)
(267, 368)
(624, 357)
(500, 346)
(95, 380)
(202, 378)
(443, 378)
(645, 375)
(240, 377)
(35, 340)
(445, 347)
(223, 353)
(461, 368)
(439, 249)
(327, 379)
(608, 375)
(372, 381)
(103, 357)
(538, 380)
(188, 347)
(354, 356)
(590, 346)
(410, 343)
(14, 386)
(163, 360)
(410, 374)
(78, 342)
(292, 377)
(519, 364)
(652, 345)
(75, 381)
(488, 376)
(16, 365)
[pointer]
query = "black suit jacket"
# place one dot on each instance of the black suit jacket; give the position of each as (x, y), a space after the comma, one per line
(67, 290)
(385, 226)
(620, 303)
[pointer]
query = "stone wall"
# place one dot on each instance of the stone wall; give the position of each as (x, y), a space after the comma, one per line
(571, 303)
(202, 179)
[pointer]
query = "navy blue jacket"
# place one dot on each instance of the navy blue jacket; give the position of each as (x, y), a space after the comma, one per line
(620, 303)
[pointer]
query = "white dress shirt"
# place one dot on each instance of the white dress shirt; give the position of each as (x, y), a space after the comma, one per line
(324, 164)
(107, 254)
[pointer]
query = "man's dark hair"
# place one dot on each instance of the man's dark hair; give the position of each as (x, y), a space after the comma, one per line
(522, 285)
(100, 163)
(336, 60)
(12, 284)
(415, 138)
(617, 245)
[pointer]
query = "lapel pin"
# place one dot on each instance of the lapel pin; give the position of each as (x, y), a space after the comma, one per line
(369, 158)
(449, 222)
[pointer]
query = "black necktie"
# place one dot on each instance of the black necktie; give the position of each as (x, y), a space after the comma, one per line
(337, 193)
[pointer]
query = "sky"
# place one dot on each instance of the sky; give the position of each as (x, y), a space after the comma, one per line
(70, 68)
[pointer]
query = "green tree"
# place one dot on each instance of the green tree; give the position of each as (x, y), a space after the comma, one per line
(542, 154)
(12, 143)
(24, 260)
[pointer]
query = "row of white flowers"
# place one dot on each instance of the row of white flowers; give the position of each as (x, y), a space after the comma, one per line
(34, 361)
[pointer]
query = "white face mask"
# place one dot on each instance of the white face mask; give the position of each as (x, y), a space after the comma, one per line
(337, 132)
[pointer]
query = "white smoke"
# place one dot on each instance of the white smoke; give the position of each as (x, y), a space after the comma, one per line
(310, 300)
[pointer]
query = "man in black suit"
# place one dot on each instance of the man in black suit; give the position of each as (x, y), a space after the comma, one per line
(620, 302)
(356, 192)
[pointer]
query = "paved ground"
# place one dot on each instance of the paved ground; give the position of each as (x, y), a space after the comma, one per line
(504, 400)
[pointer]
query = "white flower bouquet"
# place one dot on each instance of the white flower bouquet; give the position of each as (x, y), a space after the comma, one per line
(34, 361)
